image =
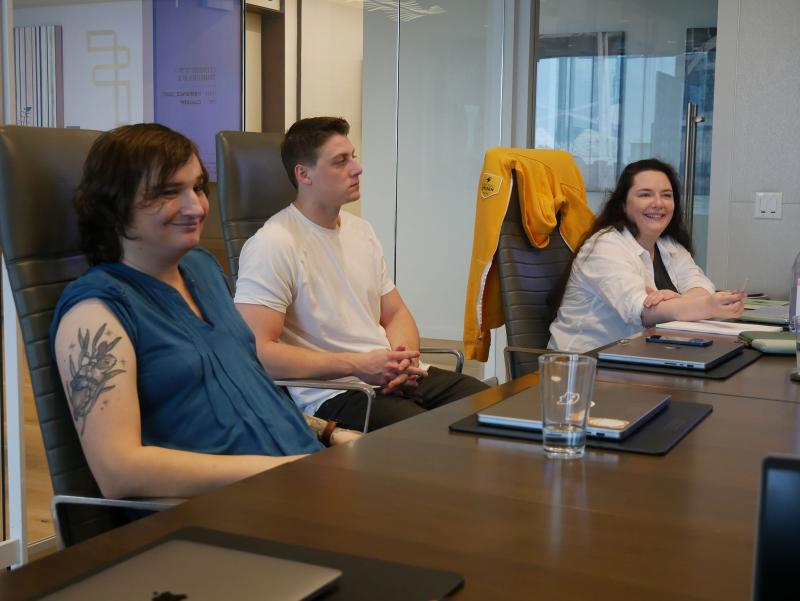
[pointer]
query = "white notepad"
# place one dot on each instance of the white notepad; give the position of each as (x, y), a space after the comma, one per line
(724, 328)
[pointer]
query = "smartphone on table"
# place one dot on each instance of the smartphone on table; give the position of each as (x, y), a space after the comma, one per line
(679, 340)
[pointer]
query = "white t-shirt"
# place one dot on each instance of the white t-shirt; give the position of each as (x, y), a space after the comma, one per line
(604, 298)
(328, 283)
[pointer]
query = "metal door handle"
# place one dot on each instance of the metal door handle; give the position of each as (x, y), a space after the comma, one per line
(690, 149)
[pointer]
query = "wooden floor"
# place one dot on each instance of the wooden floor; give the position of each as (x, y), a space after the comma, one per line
(38, 489)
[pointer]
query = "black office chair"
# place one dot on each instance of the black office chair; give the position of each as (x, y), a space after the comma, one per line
(39, 170)
(527, 277)
(252, 186)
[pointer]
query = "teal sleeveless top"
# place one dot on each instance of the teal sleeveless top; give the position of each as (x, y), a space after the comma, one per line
(201, 386)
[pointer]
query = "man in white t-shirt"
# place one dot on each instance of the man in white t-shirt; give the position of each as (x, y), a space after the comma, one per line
(314, 288)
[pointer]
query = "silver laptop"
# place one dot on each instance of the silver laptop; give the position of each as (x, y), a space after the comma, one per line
(178, 570)
(639, 351)
(616, 412)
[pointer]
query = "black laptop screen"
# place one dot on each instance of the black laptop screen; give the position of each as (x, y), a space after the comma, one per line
(778, 545)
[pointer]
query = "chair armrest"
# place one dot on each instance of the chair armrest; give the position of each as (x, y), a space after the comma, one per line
(368, 390)
(522, 349)
(446, 351)
(143, 504)
(530, 350)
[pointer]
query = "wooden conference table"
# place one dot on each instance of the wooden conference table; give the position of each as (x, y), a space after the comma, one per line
(768, 378)
(515, 524)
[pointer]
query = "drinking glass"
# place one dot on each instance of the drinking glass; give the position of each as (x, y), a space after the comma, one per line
(567, 382)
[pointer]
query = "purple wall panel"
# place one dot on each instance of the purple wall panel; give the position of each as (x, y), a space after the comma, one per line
(197, 71)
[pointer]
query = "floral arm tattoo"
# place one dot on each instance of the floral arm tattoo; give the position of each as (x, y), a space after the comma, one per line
(89, 375)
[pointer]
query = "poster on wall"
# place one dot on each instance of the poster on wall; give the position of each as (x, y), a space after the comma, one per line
(197, 70)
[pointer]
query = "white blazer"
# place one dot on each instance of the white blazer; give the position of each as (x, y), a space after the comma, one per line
(604, 298)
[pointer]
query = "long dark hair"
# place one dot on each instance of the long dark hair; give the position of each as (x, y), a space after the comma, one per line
(612, 215)
(121, 163)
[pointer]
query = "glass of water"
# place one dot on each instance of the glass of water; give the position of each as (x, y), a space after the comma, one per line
(566, 381)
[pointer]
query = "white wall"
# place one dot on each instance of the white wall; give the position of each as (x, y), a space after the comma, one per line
(330, 65)
(96, 95)
(252, 72)
(756, 144)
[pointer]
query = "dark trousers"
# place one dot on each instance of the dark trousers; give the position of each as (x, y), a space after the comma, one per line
(438, 388)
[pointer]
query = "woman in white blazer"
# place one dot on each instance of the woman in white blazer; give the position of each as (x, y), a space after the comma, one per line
(635, 268)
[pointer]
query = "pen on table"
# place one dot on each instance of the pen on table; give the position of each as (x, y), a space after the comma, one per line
(744, 285)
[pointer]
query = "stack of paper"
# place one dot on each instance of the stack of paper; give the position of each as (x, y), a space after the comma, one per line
(725, 328)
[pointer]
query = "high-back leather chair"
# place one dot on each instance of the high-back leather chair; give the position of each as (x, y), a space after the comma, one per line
(251, 184)
(527, 277)
(39, 171)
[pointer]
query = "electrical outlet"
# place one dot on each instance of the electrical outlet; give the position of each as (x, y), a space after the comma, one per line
(769, 205)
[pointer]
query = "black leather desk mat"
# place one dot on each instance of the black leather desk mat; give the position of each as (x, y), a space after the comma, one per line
(720, 372)
(363, 578)
(656, 437)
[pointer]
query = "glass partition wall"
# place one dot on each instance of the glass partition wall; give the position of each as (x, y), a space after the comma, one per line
(614, 79)
(420, 83)
(448, 108)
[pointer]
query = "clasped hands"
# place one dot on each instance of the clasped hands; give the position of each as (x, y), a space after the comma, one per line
(393, 370)
(725, 304)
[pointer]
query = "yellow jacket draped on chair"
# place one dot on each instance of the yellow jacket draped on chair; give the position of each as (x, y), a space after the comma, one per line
(550, 185)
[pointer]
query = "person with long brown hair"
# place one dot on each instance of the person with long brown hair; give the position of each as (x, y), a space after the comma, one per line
(635, 268)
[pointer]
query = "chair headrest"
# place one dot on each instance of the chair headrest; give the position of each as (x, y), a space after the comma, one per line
(251, 180)
(40, 169)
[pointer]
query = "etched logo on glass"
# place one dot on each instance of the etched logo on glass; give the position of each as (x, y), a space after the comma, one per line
(569, 398)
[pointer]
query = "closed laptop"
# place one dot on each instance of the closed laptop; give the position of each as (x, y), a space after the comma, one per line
(188, 570)
(616, 412)
(639, 351)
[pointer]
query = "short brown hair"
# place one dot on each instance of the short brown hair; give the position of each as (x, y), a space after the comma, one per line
(301, 142)
(119, 162)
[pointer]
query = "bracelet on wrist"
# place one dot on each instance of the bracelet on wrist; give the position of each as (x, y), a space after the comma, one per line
(327, 432)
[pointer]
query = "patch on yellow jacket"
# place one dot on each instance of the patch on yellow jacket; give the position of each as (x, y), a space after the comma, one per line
(490, 184)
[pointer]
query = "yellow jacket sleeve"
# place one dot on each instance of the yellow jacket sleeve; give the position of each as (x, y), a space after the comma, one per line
(549, 184)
